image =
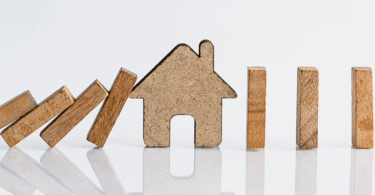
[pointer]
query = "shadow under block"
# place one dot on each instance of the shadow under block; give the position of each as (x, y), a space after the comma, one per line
(362, 108)
(307, 107)
(83, 105)
(112, 107)
(49, 108)
(16, 108)
(183, 83)
(256, 107)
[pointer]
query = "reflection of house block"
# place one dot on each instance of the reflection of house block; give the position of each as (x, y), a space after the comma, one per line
(183, 83)
(206, 178)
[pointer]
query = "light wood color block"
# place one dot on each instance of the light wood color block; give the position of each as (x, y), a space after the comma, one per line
(49, 108)
(112, 107)
(256, 107)
(184, 83)
(307, 107)
(16, 108)
(83, 105)
(362, 108)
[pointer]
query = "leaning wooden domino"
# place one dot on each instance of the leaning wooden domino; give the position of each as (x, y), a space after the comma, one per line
(362, 108)
(49, 108)
(83, 105)
(112, 107)
(307, 107)
(16, 108)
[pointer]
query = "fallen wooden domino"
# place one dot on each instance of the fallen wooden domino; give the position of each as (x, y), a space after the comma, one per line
(16, 108)
(307, 107)
(49, 108)
(84, 104)
(256, 107)
(112, 107)
(183, 83)
(362, 108)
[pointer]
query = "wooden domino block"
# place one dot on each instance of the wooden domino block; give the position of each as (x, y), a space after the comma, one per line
(256, 107)
(362, 108)
(49, 108)
(16, 108)
(112, 107)
(307, 107)
(83, 105)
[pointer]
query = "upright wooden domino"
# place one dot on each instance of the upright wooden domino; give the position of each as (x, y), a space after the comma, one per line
(83, 105)
(307, 107)
(16, 108)
(362, 108)
(256, 107)
(112, 107)
(49, 108)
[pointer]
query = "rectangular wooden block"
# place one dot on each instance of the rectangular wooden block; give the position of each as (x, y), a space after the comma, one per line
(362, 108)
(49, 108)
(256, 107)
(307, 107)
(16, 108)
(83, 105)
(112, 107)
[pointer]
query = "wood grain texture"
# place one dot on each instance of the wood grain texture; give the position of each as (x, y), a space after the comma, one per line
(307, 107)
(183, 83)
(256, 107)
(362, 108)
(112, 107)
(49, 108)
(83, 105)
(16, 108)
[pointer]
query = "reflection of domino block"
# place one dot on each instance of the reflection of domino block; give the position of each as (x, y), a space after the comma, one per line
(16, 108)
(256, 107)
(83, 105)
(13, 183)
(307, 107)
(49, 108)
(255, 171)
(361, 171)
(33, 172)
(112, 107)
(362, 108)
(306, 171)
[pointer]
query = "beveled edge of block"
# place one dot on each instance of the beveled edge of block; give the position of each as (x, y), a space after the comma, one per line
(60, 89)
(128, 71)
(96, 82)
(361, 68)
(256, 68)
(18, 96)
(307, 68)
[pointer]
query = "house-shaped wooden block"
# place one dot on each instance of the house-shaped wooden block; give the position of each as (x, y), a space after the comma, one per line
(183, 83)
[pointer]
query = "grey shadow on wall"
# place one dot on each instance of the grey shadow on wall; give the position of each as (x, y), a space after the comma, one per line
(361, 171)
(63, 169)
(255, 170)
(306, 171)
(25, 170)
(157, 178)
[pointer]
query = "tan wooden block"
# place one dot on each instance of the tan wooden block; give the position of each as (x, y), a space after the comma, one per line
(112, 107)
(307, 107)
(84, 104)
(256, 107)
(49, 108)
(362, 108)
(16, 108)
(184, 83)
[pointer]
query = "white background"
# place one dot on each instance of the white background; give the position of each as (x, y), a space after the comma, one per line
(47, 44)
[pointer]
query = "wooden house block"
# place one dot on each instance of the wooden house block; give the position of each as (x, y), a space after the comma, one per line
(112, 107)
(256, 107)
(362, 108)
(49, 108)
(83, 105)
(307, 107)
(183, 83)
(16, 108)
